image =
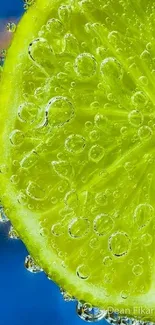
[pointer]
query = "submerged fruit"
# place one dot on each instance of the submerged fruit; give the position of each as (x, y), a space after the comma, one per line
(77, 148)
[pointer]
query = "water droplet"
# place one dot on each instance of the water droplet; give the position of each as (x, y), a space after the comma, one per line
(16, 137)
(101, 199)
(11, 27)
(13, 233)
(107, 261)
(31, 266)
(75, 143)
(100, 121)
(28, 113)
(83, 272)
(29, 160)
(119, 243)
(79, 227)
(139, 99)
(145, 132)
(111, 69)
(103, 224)
(85, 65)
(57, 229)
(135, 118)
(96, 153)
(143, 214)
(88, 313)
(137, 269)
(59, 111)
(63, 169)
(35, 192)
(146, 239)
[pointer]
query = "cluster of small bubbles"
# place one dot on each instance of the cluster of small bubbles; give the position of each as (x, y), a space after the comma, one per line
(135, 118)
(57, 229)
(66, 295)
(28, 112)
(94, 135)
(107, 261)
(11, 27)
(137, 269)
(3, 217)
(111, 69)
(59, 111)
(103, 224)
(13, 233)
(31, 266)
(75, 143)
(146, 239)
(96, 153)
(89, 313)
(139, 99)
(100, 121)
(78, 227)
(16, 137)
(85, 65)
(83, 272)
(119, 243)
(144, 132)
(143, 214)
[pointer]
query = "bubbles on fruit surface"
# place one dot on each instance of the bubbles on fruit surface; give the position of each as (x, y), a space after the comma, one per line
(89, 313)
(11, 27)
(64, 13)
(55, 27)
(107, 261)
(96, 153)
(145, 132)
(13, 233)
(75, 143)
(85, 65)
(146, 239)
(139, 99)
(78, 227)
(101, 121)
(111, 69)
(119, 243)
(101, 198)
(63, 169)
(135, 118)
(39, 50)
(59, 111)
(57, 229)
(103, 224)
(29, 160)
(35, 192)
(83, 272)
(16, 137)
(143, 214)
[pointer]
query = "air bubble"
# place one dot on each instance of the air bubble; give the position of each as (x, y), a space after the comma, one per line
(94, 135)
(119, 243)
(28, 113)
(13, 233)
(35, 192)
(137, 270)
(75, 143)
(83, 272)
(29, 160)
(94, 243)
(143, 214)
(57, 229)
(11, 27)
(88, 313)
(79, 227)
(64, 13)
(16, 137)
(111, 69)
(100, 121)
(96, 153)
(103, 224)
(139, 99)
(101, 199)
(55, 27)
(31, 266)
(59, 111)
(71, 44)
(63, 169)
(146, 239)
(135, 118)
(143, 80)
(144, 132)
(3, 217)
(40, 52)
(85, 65)
(107, 261)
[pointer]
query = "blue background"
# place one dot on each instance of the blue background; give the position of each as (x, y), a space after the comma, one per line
(25, 298)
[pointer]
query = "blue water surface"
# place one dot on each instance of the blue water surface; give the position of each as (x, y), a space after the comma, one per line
(25, 298)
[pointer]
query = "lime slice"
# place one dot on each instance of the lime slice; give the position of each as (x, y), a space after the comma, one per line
(77, 147)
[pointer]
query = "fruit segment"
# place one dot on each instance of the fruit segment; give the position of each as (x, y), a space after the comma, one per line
(77, 146)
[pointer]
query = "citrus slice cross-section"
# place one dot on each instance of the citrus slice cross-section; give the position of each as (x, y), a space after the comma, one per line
(77, 147)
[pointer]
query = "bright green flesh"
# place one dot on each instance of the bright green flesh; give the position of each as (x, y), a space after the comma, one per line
(78, 185)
